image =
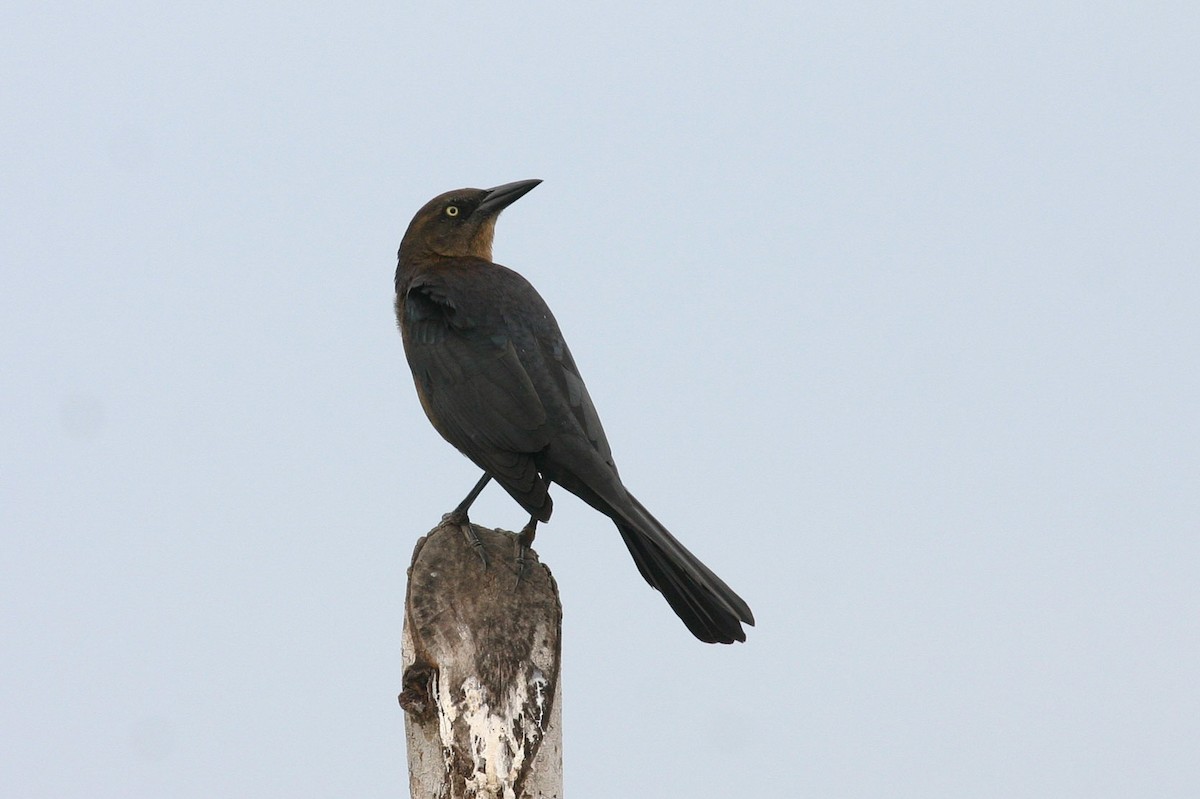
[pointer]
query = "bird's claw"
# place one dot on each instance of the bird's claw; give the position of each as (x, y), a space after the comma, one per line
(522, 563)
(468, 530)
(522, 543)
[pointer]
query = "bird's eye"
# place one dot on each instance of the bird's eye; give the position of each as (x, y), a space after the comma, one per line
(451, 210)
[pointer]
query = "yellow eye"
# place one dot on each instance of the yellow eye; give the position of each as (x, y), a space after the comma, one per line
(451, 210)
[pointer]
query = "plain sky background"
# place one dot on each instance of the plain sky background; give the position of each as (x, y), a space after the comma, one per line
(890, 311)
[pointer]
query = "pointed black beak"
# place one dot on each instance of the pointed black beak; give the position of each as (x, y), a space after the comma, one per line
(501, 197)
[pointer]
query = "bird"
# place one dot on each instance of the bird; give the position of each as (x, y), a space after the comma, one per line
(495, 377)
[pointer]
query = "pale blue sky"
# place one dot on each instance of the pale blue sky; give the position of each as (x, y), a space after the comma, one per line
(890, 312)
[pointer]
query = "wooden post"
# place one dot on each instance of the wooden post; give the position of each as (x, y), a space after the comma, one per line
(481, 655)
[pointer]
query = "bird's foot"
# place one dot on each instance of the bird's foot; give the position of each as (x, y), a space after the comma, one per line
(460, 519)
(523, 541)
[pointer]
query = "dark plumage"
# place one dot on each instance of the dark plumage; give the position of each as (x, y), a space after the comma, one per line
(496, 379)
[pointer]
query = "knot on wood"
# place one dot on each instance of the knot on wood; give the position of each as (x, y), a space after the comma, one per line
(416, 694)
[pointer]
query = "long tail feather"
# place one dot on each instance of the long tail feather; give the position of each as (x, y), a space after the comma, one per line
(710, 608)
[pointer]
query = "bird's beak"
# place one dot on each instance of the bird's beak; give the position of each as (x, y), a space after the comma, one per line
(501, 197)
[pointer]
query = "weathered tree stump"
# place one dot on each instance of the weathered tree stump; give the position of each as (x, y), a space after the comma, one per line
(481, 658)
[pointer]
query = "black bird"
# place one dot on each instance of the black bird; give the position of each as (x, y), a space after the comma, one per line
(496, 379)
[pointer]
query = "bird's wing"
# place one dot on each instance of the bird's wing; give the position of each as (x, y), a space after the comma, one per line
(566, 374)
(473, 384)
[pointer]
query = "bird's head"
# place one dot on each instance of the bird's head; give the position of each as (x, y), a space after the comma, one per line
(461, 223)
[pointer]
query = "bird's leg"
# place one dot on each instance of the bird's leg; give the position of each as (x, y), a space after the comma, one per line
(459, 516)
(460, 513)
(524, 541)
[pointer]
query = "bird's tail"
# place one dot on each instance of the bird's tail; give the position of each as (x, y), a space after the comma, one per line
(709, 607)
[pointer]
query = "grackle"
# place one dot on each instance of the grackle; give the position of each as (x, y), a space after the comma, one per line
(497, 381)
